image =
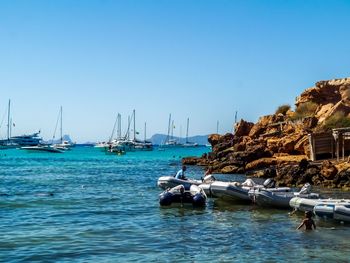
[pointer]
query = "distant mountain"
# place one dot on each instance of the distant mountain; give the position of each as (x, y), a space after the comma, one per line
(158, 139)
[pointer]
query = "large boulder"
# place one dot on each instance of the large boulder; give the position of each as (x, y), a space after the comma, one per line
(231, 169)
(243, 128)
(261, 163)
(330, 96)
(213, 139)
(342, 179)
(191, 160)
(328, 170)
(260, 127)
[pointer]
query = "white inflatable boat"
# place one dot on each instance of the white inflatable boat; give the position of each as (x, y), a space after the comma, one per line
(304, 204)
(165, 182)
(266, 197)
(336, 210)
(236, 190)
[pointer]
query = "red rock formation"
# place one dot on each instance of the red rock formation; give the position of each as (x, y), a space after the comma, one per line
(277, 143)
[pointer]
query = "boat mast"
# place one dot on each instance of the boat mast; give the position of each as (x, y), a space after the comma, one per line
(167, 138)
(172, 130)
(10, 127)
(128, 131)
(188, 120)
(112, 135)
(145, 132)
(61, 127)
(180, 140)
(217, 127)
(8, 120)
(133, 113)
(119, 129)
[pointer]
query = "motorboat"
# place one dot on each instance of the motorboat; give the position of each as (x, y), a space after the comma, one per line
(178, 194)
(237, 191)
(266, 197)
(43, 148)
(165, 182)
(20, 140)
(26, 139)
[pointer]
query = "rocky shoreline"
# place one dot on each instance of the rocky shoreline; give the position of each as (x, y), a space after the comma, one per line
(277, 146)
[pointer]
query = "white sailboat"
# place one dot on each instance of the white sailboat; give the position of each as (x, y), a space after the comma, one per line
(139, 145)
(170, 141)
(104, 146)
(143, 145)
(63, 144)
(188, 143)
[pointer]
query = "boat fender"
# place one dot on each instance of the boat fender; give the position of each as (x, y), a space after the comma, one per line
(198, 200)
(166, 198)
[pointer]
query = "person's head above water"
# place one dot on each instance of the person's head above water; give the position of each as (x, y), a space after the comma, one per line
(308, 214)
(184, 168)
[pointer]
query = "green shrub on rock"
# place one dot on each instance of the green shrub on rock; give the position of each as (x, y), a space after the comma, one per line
(283, 109)
(306, 109)
(337, 120)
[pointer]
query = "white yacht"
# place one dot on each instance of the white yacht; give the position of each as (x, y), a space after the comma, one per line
(18, 141)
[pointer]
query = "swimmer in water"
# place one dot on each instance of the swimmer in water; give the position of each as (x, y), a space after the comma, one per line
(308, 222)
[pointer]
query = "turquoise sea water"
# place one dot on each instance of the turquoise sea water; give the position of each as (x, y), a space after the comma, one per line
(85, 206)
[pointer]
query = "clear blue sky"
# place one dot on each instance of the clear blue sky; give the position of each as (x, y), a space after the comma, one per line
(198, 59)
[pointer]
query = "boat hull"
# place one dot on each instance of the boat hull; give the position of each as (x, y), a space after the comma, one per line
(305, 204)
(42, 149)
(229, 190)
(269, 198)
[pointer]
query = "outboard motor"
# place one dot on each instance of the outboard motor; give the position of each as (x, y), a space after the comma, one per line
(306, 189)
(209, 179)
(269, 183)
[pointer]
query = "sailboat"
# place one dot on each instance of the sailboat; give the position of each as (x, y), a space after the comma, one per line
(139, 145)
(170, 141)
(118, 145)
(188, 143)
(142, 145)
(104, 146)
(63, 144)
